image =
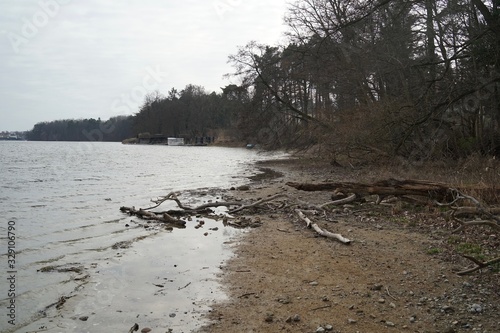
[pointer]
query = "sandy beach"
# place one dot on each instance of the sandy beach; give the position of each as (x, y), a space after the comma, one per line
(397, 275)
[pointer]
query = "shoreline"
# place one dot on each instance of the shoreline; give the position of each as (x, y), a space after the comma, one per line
(284, 277)
(105, 269)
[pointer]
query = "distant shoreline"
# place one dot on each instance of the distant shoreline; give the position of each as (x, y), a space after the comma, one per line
(12, 139)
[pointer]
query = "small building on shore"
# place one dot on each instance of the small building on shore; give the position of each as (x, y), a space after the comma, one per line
(157, 139)
(175, 141)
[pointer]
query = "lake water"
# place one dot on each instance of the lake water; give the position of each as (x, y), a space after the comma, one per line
(61, 201)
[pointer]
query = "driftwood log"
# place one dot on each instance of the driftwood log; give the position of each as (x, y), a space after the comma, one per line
(320, 231)
(439, 194)
(233, 208)
(159, 217)
(188, 209)
(384, 188)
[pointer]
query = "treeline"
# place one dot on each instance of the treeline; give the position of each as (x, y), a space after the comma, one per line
(411, 78)
(114, 129)
(417, 79)
(190, 113)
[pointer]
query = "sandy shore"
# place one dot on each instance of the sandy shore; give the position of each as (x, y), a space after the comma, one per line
(396, 276)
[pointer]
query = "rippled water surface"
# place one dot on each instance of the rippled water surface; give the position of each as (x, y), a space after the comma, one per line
(64, 199)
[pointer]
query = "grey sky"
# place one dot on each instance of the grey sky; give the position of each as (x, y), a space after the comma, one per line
(64, 59)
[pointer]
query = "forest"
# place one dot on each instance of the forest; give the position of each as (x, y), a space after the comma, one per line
(417, 79)
(114, 129)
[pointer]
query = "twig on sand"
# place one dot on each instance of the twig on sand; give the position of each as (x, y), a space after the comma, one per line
(184, 286)
(245, 295)
(321, 307)
(389, 294)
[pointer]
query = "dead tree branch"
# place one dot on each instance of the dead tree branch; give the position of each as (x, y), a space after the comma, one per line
(438, 193)
(320, 231)
(464, 224)
(147, 215)
(173, 196)
(479, 264)
(350, 198)
(259, 202)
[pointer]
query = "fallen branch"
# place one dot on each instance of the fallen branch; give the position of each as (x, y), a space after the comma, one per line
(304, 218)
(173, 196)
(479, 264)
(163, 217)
(389, 294)
(479, 207)
(464, 224)
(494, 221)
(258, 202)
(338, 202)
(321, 307)
(464, 211)
(320, 231)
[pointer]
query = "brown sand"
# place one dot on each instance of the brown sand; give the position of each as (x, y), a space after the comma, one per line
(396, 276)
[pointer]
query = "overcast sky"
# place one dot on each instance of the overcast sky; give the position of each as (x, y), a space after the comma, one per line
(63, 59)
